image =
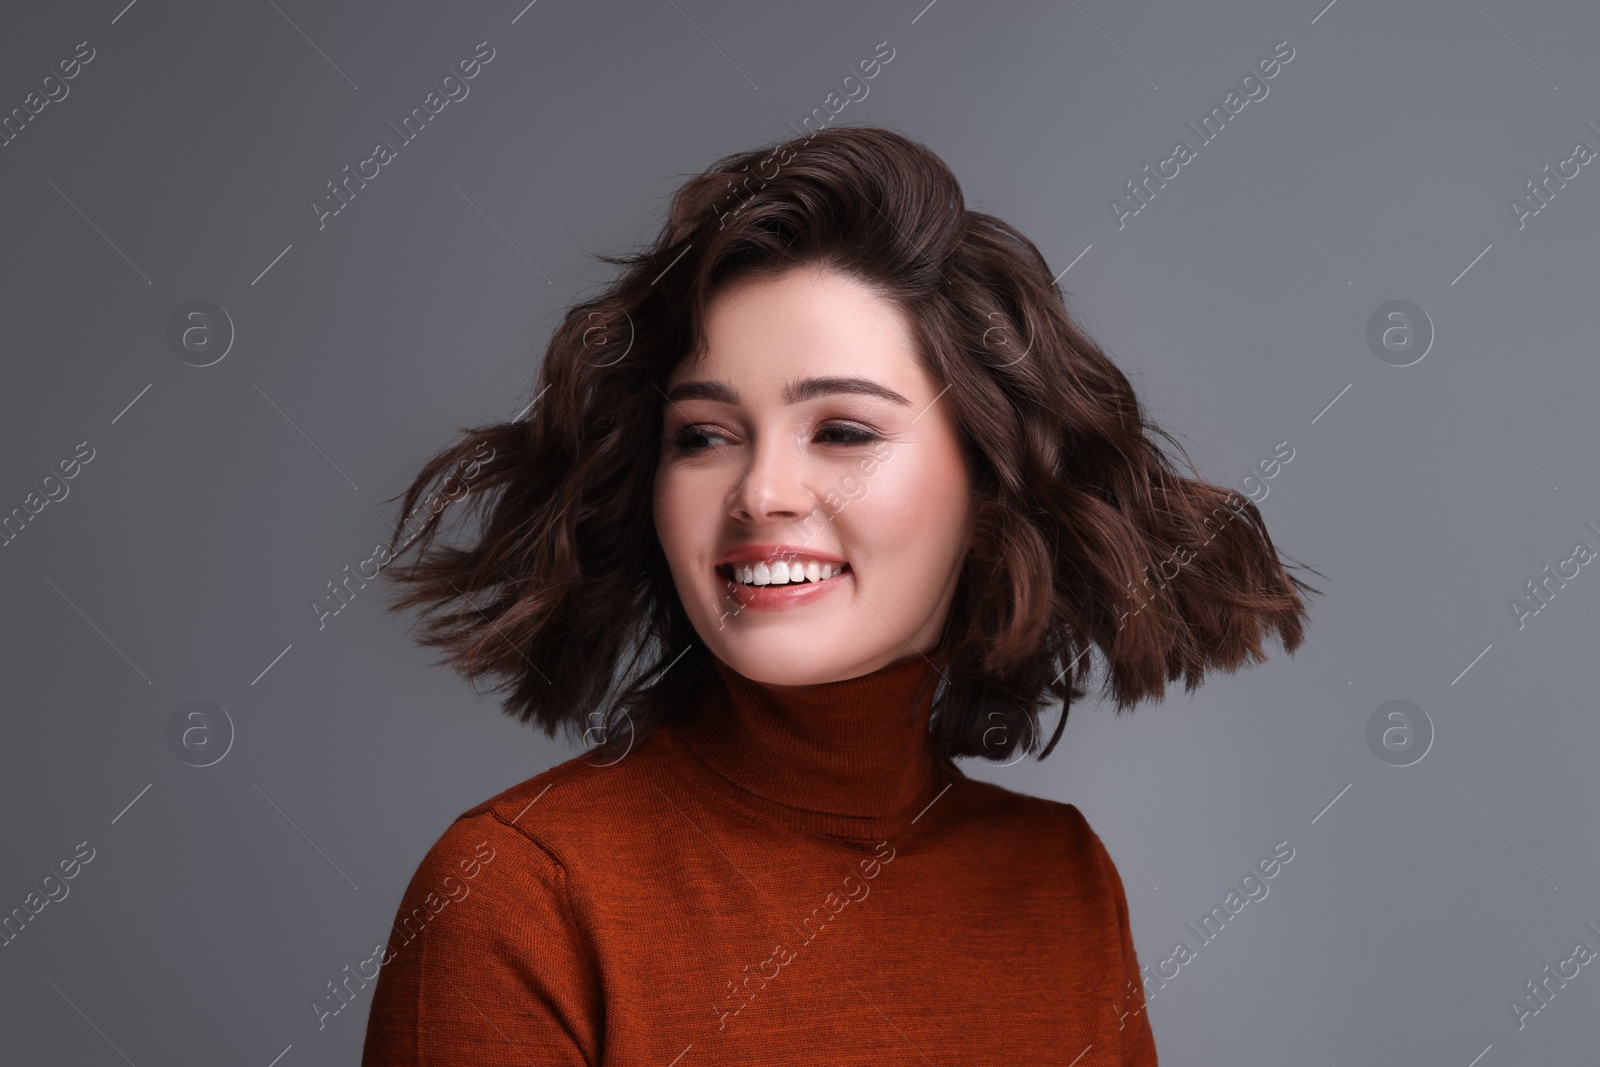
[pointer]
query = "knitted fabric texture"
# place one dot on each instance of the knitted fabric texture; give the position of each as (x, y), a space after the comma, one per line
(786, 874)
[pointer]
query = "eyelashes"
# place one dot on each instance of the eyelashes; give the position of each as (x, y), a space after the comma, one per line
(690, 441)
(684, 441)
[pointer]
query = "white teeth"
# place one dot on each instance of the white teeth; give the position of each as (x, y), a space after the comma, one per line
(783, 572)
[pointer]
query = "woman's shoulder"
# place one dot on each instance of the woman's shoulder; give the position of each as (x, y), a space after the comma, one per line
(1058, 828)
(559, 816)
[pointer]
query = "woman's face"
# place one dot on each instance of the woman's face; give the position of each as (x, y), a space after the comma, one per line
(810, 433)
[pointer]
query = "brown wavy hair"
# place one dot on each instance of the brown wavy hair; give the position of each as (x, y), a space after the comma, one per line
(562, 596)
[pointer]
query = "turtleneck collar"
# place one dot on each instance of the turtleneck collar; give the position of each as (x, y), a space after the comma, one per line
(848, 759)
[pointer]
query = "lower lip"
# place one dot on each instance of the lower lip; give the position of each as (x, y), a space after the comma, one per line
(782, 597)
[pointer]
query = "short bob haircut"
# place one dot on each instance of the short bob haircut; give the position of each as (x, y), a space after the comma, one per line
(1085, 534)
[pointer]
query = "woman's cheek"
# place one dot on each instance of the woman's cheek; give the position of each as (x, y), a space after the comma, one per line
(676, 520)
(892, 508)
(667, 510)
(915, 513)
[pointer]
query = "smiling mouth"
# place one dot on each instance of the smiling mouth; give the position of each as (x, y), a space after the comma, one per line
(781, 573)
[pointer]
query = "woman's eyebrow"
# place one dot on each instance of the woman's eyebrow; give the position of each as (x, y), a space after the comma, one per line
(793, 393)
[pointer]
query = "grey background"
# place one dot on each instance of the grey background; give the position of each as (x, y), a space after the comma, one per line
(1420, 899)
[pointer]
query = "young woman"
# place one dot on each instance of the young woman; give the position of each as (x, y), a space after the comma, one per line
(824, 492)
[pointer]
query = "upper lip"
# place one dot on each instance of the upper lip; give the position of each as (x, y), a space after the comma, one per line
(755, 553)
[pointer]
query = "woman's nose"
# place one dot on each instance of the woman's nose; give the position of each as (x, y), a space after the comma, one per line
(773, 484)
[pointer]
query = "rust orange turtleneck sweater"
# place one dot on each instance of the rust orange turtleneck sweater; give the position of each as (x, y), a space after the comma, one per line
(786, 876)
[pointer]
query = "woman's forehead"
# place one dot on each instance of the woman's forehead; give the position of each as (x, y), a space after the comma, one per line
(769, 332)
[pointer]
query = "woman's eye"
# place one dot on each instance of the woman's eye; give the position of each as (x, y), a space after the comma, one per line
(690, 440)
(847, 435)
